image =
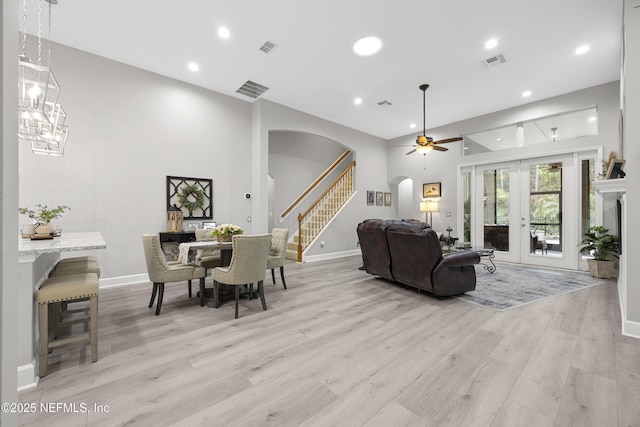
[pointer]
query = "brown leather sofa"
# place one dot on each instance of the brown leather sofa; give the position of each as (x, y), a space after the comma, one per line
(410, 253)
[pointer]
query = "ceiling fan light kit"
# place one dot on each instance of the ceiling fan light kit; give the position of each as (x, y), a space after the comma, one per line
(424, 143)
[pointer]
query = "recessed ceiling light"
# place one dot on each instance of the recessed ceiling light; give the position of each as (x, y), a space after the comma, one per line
(357, 101)
(224, 33)
(412, 125)
(367, 46)
(490, 44)
(193, 66)
(526, 94)
(582, 49)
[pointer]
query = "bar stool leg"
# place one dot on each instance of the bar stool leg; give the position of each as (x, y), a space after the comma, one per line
(93, 319)
(43, 339)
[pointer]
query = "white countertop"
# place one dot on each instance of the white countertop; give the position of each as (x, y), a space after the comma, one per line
(80, 241)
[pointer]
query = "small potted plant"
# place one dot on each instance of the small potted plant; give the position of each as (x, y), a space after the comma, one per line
(598, 243)
(224, 232)
(42, 215)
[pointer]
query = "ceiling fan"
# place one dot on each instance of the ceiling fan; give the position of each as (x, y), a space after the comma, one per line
(424, 143)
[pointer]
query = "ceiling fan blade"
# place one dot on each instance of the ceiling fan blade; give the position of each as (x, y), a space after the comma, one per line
(411, 152)
(444, 141)
(435, 147)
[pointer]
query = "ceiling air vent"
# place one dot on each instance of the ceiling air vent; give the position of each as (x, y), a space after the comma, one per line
(494, 61)
(267, 46)
(252, 89)
(384, 103)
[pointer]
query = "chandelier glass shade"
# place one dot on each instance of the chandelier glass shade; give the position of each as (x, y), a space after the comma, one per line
(424, 149)
(41, 119)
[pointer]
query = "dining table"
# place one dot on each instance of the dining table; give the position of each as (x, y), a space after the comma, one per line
(225, 248)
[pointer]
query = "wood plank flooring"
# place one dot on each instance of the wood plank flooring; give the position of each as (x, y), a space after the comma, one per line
(341, 348)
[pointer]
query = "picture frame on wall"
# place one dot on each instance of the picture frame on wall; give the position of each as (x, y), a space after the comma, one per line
(431, 189)
(379, 198)
(615, 169)
(371, 198)
(208, 225)
(387, 199)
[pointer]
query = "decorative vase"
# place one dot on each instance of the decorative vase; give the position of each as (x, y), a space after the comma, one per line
(43, 229)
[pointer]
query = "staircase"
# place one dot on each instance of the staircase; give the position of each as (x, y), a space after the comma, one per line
(318, 215)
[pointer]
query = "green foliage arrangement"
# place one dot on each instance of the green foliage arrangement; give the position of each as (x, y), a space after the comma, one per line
(598, 242)
(41, 214)
(191, 197)
(226, 230)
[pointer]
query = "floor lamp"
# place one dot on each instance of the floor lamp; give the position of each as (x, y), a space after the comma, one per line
(429, 206)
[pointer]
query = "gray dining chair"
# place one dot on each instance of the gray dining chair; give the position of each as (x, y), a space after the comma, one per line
(248, 266)
(161, 272)
(279, 239)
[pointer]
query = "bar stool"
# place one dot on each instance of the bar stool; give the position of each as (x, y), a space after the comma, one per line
(68, 268)
(64, 289)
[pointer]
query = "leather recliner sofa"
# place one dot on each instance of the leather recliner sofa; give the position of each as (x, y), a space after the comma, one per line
(410, 253)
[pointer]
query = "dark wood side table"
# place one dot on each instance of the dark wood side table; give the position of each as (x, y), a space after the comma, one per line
(170, 242)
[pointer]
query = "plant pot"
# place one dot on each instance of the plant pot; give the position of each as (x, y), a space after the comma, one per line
(600, 269)
(28, 230)
(225, 238)
(43, 229)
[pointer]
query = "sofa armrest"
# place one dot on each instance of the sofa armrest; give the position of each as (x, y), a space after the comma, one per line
(460, 259)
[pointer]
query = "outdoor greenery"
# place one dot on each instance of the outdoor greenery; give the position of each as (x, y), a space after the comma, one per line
(599, 243)
(42, 214)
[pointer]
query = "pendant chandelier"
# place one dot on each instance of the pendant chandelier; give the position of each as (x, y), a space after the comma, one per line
(41, 118)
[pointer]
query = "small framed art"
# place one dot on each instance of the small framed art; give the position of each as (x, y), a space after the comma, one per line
(615, 169)
(431, 189)
(379, 198)
(371, 197)
(387, 199)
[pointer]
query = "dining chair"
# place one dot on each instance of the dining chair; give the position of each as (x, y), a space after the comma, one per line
(279, 239)
(248, 266)
(205, 258)
(161, 272)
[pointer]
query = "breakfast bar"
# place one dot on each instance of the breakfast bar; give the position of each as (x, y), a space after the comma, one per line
(36, 260)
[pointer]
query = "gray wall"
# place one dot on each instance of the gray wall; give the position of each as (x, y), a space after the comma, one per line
(129, 129)
(371, 172)
(632, 154)
(442, 166)
(8, 208)
(295, 161)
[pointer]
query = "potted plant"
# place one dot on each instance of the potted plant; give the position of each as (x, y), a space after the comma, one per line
(224, 232)
(601, 245)
(42, 215)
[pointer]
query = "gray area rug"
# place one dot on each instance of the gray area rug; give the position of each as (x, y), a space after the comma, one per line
(513, 285)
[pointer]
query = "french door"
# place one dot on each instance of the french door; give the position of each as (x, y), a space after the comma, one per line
(527, 210)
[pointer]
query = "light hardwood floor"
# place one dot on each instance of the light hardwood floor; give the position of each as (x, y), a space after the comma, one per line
(341, 348)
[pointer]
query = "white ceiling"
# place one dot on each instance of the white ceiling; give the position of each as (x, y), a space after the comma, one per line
(313, 68)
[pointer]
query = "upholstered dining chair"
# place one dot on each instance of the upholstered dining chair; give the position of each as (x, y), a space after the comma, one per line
(279, 238)
(204, 258)
(248, 266)
(160, 272)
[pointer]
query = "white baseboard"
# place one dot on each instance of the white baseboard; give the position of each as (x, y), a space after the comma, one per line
(111, 282)
(333, 255)
(630, 328)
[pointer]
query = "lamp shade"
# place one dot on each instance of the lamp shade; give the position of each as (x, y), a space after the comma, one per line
(428, 206)
(424, 149)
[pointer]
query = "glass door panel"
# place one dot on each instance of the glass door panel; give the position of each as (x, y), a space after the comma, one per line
(545, 208)
(496, 209)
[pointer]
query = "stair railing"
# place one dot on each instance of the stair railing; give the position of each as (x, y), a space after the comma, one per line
(316, 217)
(314, 184)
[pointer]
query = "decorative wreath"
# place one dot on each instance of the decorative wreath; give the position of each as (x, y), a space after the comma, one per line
(187, 195)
